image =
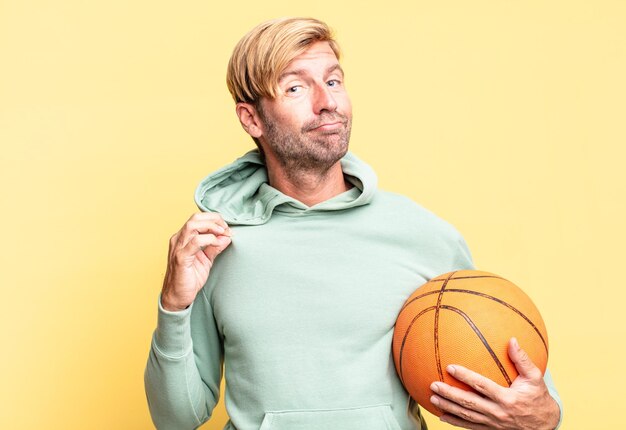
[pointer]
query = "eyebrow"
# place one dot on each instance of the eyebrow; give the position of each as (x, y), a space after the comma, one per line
(300, 72)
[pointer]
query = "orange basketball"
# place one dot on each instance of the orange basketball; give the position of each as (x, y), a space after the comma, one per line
(465, 317)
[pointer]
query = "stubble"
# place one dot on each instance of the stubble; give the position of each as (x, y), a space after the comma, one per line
(307, 150)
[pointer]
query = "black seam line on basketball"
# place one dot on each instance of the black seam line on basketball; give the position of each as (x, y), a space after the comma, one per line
(437, 291)
(438, 306)
(502, 302)
(482, 339)
(486, 296)
(406, 334)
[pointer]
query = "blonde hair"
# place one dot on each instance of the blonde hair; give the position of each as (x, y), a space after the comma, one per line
(263, 54)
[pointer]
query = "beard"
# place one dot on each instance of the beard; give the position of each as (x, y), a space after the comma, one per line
(309, 150)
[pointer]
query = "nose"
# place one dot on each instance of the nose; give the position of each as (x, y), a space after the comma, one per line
(323, 99)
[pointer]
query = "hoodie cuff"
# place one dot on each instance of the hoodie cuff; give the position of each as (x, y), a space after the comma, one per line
(172, 337)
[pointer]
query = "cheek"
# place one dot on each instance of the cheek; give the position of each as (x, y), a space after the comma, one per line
(283, 117)
(345, 105)
(296, 115)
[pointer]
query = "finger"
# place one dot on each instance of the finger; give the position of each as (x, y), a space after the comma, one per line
(173, 242)
(466, 399)
(469, 416)
(221, 244)
(192, 228)
(207, 225)
(478, 382)
(200, 222)
(195, 244)
(202, 257)
(459, 422)
(204, 217)
(209, 216)
(524, 365)
(215, 217)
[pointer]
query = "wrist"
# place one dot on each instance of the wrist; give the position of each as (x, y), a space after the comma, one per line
(172, 305)
(553, 415)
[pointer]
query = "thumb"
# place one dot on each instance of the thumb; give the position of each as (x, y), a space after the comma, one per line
(214, 250)
(524, 365)
(223, 242)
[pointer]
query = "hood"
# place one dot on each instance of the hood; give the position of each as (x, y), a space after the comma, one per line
(241, 194)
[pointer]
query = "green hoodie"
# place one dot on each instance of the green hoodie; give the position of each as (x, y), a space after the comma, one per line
(300, 308)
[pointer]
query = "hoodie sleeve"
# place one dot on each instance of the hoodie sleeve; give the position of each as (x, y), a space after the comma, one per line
(462, 256)
(184, 369)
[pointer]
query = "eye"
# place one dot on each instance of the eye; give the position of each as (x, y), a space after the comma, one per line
(294, 89)
(333, 83)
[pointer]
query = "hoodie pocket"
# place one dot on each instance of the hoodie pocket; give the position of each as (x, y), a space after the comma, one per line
(377, 417)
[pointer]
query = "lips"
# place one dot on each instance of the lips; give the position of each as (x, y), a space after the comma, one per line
(329, 126)
(324, 122)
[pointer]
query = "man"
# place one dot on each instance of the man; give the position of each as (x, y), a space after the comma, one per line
(294, 273)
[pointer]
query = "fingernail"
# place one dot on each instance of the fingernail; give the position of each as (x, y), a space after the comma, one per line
(451, 370)
(435, 387)
(219, 229)
(434, 400)
(515, 343)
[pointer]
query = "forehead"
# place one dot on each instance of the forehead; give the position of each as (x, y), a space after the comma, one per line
(318, 55)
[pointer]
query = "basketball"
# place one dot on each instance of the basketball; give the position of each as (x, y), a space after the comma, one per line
(467, 318)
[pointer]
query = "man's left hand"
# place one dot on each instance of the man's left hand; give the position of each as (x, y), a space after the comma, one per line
(526, 404)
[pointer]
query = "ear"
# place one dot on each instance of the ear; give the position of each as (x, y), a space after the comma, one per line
(249, 119)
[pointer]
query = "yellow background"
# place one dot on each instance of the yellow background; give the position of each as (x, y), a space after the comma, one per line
(504, 117)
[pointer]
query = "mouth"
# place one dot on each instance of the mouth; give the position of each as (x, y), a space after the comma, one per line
(328, 126)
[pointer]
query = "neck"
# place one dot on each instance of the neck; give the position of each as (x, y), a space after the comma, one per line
(308, 186)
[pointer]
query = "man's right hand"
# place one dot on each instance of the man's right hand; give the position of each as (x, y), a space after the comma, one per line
(191, 254)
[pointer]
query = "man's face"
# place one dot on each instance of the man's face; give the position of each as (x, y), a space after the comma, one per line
(307, 126)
